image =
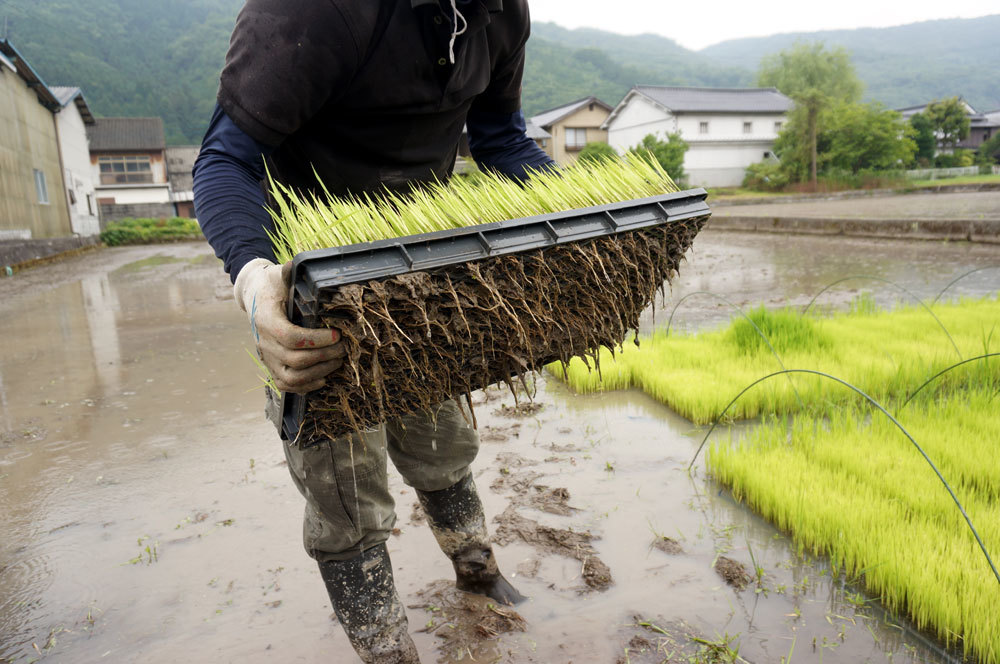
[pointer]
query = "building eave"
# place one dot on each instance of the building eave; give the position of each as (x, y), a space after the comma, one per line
(33, 80)
(635, 91)
(572, 107)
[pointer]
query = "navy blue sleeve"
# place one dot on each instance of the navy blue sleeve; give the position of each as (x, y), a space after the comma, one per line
(498, 142)
(228, 195)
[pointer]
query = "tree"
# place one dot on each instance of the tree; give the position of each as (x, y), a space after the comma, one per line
(596, 152)
(669, 153)
(815, 79)
(949, 121)
(924, 138)
(989, 152)
(867, 136)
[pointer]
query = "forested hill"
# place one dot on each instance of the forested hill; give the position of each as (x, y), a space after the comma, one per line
(156, 58)
(130, 57)
(904, 65)
(563, 65)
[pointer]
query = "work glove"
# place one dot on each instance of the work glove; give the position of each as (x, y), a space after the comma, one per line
(298, 358)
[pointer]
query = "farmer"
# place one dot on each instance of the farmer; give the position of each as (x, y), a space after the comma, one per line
(368, 95)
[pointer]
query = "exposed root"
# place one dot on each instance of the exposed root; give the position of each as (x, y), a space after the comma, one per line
(418, 339)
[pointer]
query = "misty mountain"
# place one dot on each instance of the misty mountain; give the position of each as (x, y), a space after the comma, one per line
(146, 58)
(901, 66)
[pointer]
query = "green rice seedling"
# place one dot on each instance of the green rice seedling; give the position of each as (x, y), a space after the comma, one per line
(853, 488)
(886, 354)
(320, 220)
(785, 328)
(414, 340)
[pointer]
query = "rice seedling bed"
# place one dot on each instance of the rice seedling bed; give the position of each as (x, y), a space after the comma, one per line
(418, 338)
(835, 473)
(884, 353)
(850, 486)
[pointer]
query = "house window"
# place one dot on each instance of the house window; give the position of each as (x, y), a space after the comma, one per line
(747, 127)
(90, 205)
(576, 138)
(125, 169)
(702, 127)
(41, 188)
(777, 127)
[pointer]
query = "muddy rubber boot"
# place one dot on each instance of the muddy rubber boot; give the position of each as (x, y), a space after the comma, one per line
(459, 526)
(366, 603)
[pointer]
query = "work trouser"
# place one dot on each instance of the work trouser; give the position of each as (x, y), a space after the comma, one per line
(348, 505)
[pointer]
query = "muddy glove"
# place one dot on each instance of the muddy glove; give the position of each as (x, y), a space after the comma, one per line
(298, 358)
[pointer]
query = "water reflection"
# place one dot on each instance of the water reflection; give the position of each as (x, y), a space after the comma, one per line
(100, 303)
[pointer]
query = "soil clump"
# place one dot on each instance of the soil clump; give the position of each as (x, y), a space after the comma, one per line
(417, 339)
(522, 409)
(464, 620)
(660, 642)
(733, 572)
(572, 544)
(667, 545)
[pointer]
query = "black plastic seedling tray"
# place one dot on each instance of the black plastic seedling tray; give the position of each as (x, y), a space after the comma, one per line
(323, 269)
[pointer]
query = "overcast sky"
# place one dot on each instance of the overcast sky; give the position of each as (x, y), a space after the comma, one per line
(700, 23)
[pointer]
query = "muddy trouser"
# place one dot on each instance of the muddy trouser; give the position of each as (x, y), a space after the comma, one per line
(348, 505)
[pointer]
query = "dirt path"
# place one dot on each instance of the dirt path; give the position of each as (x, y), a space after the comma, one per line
(916, 206)
(146, 514)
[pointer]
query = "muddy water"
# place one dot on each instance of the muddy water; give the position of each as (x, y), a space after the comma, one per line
(146, 515)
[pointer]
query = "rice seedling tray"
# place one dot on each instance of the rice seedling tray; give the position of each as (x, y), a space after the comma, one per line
(450, 255)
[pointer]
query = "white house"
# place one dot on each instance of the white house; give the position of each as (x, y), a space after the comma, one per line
(726, 129)
(72, 121)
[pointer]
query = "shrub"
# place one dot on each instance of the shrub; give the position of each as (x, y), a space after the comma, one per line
(957, 159)
(150, 231)
(765, 176)
(668, 153)
(597, 151)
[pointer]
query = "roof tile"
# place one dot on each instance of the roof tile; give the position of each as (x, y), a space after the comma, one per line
(720, 100)
(126, 134)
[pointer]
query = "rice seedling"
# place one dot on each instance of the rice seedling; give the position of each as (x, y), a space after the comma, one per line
(844, 482)
(305, 221)
(853, 489)
(886, 354)
(414, 340)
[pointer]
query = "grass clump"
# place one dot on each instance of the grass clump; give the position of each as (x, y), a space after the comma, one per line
(883, 353)
(150, 231)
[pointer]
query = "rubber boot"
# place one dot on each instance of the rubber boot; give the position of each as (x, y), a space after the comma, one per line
(366, 603)
(457, 521)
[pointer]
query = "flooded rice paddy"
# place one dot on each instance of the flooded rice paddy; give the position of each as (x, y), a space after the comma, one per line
(146, 514)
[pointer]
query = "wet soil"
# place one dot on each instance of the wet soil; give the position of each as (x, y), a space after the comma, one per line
(467, 624)
(146, 513)
(656, 641)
